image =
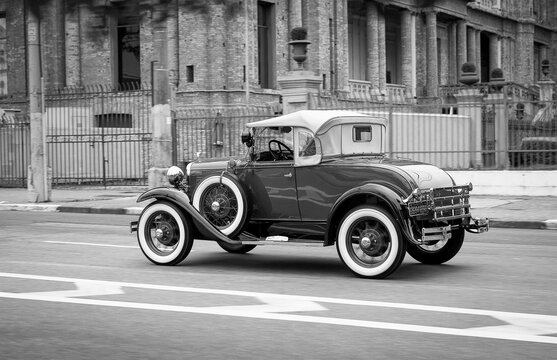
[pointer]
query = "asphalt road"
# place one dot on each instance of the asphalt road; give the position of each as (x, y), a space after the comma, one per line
(76, 286)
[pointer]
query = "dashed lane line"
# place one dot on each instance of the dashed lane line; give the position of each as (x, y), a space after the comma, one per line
(536, 328)
(89, 244)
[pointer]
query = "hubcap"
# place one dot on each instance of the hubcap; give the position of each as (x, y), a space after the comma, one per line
(215, 206)
(372, 243)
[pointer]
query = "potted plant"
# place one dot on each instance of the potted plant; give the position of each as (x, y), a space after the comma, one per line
(299, 43)
(496, 77)
(468, 74)
(545, 68)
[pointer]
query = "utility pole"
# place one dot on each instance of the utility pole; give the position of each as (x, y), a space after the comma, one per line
(37, 178)
(160, 112)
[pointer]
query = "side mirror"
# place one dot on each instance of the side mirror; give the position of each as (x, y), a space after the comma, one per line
(247, 138)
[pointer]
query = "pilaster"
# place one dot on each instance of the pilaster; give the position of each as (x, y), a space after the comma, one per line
(469, 104)
(432, 57)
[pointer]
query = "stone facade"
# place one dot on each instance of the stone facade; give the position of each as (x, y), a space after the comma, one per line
(214, 47)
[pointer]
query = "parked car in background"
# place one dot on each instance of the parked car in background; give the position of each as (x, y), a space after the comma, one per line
(312, 177)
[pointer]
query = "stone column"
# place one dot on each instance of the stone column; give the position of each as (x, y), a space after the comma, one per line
(408, 47)
(432, 68)
(461, 46)
(381, 47)
(372, 44)
(453, 58)
(471, 45)
(469, 102)
(479, 54)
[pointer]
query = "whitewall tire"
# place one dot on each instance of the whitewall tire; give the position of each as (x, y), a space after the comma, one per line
(223, 203)
(164, 234)
(369, 242)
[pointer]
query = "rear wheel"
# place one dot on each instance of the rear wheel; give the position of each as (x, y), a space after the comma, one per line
(369, 242)
(438, 252)
(164, 234)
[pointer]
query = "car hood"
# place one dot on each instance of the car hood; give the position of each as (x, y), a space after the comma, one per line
(428, 176)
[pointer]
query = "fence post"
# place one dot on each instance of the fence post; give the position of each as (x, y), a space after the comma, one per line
(497, 99)
(470, 104)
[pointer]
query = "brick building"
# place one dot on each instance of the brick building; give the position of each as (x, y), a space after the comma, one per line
(233, 51)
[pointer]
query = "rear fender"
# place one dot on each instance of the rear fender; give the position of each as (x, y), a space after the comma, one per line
(202, 225)
(357, 196)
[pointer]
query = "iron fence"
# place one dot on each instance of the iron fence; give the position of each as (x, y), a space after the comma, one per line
(99, 135)
(213, 133)
(493, 131)
(15, 148)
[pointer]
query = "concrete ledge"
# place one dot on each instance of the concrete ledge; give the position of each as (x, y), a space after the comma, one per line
(509, 183)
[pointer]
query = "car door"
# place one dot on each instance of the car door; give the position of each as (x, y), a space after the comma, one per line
(272, 188)
(271, 180)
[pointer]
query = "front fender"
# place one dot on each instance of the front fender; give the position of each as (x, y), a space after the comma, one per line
(183, 201)
(357, 196)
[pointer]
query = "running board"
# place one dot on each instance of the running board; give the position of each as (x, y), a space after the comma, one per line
(280, 240)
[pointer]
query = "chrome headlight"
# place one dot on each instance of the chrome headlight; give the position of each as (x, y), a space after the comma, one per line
(175, 175)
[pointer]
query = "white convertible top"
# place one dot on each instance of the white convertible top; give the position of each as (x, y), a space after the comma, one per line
(311, 119)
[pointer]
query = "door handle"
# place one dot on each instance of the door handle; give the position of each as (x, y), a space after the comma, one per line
(289, 175)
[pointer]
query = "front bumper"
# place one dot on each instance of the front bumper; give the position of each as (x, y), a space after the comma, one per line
(477, 225)
(447, 205)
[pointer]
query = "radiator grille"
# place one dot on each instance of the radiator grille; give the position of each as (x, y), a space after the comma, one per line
(441, 203)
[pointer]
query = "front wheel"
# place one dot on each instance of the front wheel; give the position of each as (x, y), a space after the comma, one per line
(369, 242)
(438, 252)
(164, 234)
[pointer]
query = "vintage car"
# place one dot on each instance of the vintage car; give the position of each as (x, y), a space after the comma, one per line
(312, 177)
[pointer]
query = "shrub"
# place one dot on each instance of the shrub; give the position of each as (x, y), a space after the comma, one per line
(468, 67)
(298, 33)
(496, 73)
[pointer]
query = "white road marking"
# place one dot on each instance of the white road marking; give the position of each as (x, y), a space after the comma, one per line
(89, 244)
(518, 327)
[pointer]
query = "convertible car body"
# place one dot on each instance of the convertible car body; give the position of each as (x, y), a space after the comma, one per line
(312, 177)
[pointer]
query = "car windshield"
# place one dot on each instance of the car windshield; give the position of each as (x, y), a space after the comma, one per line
(273, 144)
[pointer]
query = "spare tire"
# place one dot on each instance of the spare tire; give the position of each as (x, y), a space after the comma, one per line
(222, 201)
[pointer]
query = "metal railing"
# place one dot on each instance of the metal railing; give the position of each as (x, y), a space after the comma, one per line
(213, 133)
(15, 148)
(99, 135)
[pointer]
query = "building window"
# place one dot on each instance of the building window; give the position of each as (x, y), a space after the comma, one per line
(3, 62)
(357, 47)
(126, 45)
(265, 44)
(128, 52)
(190, 75)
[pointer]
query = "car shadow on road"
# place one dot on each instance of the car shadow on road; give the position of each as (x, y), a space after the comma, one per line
(266, 263)
(318, 266)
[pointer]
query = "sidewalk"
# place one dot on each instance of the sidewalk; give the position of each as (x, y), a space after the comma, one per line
(527, 212)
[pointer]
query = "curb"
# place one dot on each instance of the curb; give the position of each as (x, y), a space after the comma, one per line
(136, 210)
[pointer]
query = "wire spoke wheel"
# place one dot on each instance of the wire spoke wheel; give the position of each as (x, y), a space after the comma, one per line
(219, 205)
(163, 233)
(221, 200)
